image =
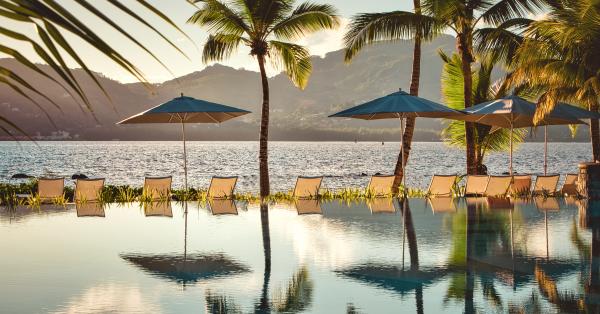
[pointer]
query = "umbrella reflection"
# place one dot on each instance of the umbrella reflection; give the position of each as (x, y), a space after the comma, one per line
(186, 268)
(183, 268)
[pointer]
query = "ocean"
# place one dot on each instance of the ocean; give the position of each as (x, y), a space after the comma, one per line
(344, 164)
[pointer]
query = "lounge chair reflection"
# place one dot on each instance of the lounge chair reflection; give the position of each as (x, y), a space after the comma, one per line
(158, 209)
(308, 207)
(382, 205)
(222, 206)
(89, 209)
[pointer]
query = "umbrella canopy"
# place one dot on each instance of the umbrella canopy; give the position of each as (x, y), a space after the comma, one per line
(516, 112)
(188, 110)
(398, 105)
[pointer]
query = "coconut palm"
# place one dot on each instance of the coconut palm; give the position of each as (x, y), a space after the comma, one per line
(560, 56)
(465, 18)
(484, 89)
(268, 28)
(50, 19)
(362, 23)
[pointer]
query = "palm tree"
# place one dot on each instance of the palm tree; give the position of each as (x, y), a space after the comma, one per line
(267, 27)
(364, 23)
(50, 18)
(462, 17)
(559, 56)
(483, 90)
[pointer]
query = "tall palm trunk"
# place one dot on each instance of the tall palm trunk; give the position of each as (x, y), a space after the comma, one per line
(464, 47)
(410, 122)
(595, 133)
(263, 153)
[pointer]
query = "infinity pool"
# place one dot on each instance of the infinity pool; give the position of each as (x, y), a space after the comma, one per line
(475, 255)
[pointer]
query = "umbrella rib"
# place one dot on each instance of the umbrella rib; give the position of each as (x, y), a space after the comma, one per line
(211, 117)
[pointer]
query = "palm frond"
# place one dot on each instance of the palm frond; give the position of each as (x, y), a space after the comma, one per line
(368, 28)
(295, 59)
(504, 10)
(218, 17)
(220, 46)
(305, 19)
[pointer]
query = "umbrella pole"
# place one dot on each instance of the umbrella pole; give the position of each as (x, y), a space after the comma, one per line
(402, 153)
(510, 166)
(545, 149)
(185, 183)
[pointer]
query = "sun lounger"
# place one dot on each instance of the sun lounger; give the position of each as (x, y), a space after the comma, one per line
(441, 185)
(222, 206)
(157, 188)
(521, 185)
(476, 185)
(158, 209)
(307, 187)
(88, 190)
(382, 205)
(442, 204)
(570, 185)
(50, 189)
(498, 186)
(381, 186)
(308, 207)
(89, 209)
(222, 187)
(545, 185)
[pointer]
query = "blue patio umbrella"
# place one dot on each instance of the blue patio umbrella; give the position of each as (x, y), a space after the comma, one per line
(515, 112)
(184, 110)
(399, 105)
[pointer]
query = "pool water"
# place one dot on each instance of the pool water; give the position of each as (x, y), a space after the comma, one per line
(381, 256)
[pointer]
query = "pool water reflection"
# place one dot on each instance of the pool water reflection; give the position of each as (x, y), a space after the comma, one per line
(381, 256)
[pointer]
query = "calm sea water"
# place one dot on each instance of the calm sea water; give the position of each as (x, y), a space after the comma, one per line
(344, 164)
(450, 256)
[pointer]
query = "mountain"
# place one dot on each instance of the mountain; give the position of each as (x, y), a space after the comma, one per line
(295, 114)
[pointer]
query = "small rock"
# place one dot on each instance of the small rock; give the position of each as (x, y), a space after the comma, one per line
(363, 174)
(378, 173)
(79, 176)
(21, 176)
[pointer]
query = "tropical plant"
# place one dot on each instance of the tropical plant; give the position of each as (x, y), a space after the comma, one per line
(268, 28)
(467, 19)
(483, 90)
(560, 56)
(51, 19)
(365, 23)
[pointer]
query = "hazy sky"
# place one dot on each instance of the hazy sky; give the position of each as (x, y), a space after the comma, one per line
(179, 11)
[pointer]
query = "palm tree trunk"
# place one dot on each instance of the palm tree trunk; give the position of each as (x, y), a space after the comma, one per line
(464, 49)
(263, 153)
(410, 122)
(595, 133)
